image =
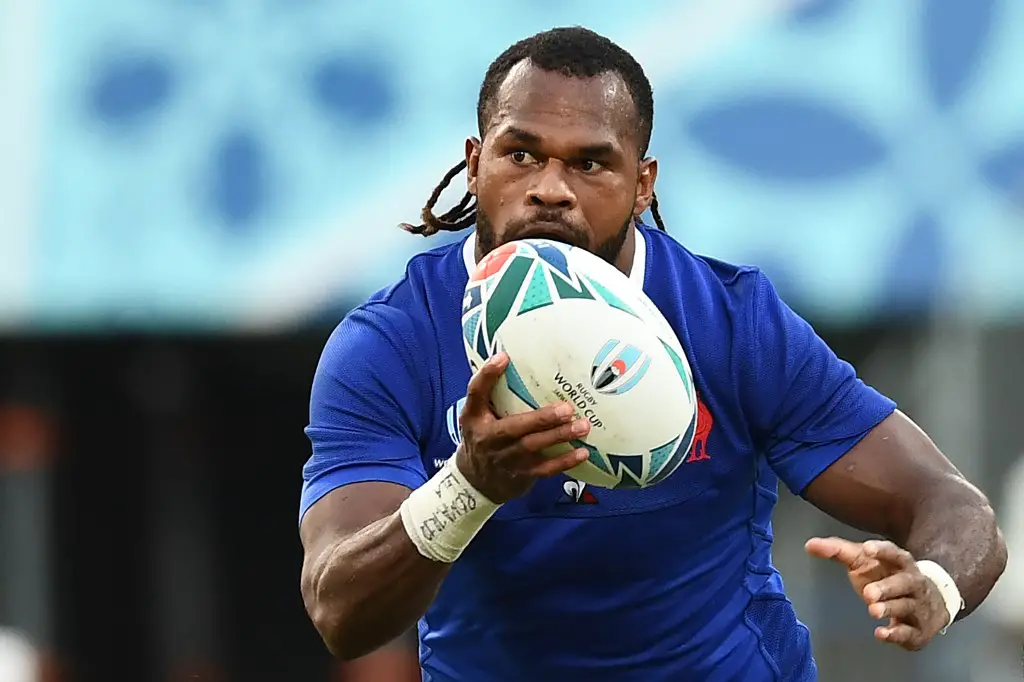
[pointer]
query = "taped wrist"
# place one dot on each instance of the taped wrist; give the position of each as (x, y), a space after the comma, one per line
(445, 514)
(947, 588)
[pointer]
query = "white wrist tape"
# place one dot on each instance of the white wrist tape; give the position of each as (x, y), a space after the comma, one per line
(445, 514)
(947, 588)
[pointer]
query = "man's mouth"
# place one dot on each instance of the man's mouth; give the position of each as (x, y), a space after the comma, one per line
(547, 229)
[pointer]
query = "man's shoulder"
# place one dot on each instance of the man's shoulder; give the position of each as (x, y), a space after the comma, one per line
(437, 265)
(400, 312)
(688, 274)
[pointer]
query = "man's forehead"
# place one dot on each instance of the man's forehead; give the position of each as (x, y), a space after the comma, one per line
(529, 92)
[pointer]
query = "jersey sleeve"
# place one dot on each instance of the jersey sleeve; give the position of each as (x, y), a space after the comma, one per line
(367, 406)
(806, 407)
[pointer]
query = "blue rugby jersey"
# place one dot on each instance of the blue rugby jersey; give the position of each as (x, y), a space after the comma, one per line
(669, 583)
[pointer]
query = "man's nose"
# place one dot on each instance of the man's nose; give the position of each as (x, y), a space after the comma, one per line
(551, 188)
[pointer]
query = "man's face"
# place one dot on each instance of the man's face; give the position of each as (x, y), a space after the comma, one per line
(560, 159)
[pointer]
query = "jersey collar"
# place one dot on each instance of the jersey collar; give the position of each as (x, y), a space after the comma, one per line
(636, 273)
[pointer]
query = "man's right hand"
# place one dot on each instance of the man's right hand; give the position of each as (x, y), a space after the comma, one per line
(502, 457)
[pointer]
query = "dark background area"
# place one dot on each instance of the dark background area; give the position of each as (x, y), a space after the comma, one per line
(216, 423)
(173, 470)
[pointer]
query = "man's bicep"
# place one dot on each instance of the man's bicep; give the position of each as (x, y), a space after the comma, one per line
(347, 510)
(336, 474)
(874, 487)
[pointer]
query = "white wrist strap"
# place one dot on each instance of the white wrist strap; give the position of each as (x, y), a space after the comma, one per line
(947, 588)
(445, 514)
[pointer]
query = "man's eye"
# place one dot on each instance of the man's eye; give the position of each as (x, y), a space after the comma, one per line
(521, 157)
(590, 166)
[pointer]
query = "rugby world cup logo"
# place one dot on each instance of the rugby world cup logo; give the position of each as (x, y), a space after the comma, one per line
(618, 367)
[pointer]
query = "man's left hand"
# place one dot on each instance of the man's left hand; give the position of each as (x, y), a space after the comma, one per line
(888, 580)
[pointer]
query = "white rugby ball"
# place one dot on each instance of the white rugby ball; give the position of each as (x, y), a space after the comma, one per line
(575, 328)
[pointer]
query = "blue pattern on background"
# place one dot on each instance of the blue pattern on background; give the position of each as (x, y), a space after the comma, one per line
(804, 141)
(916, 278)
(353, 91)
(808, 11)
(239, 184)
(847, 148)
(787, 138)
(1004, 171)
(955, 34)
(130, 87)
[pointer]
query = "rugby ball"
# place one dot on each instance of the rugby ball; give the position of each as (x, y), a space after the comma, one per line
(577, 329)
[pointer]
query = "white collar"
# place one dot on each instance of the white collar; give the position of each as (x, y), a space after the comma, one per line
(636, 273)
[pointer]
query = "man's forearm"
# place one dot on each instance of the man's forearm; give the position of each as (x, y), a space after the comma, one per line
(368, 588)
(956, 527)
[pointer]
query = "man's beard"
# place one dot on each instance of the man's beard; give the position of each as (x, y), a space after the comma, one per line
(608, 250)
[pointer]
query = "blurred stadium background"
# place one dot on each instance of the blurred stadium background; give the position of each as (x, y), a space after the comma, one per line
(193, 192)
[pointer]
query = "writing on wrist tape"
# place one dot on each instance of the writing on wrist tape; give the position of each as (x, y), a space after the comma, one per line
(947, 588)
(445, 514)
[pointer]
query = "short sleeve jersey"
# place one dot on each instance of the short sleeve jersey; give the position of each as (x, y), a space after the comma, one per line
(667, 583)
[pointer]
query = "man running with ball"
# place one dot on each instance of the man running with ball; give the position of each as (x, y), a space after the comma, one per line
(666, 584)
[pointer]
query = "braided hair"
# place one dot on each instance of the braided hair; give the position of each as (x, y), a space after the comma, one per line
(571, 51)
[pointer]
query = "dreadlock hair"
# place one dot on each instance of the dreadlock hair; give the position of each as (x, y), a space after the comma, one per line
(573, 51)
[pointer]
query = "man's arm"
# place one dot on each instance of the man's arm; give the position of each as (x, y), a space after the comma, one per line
(376, 552)
(897, 484)
(842, 445)
(363, 580)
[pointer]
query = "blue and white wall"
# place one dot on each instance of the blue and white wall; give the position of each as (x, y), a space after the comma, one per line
(244, 162)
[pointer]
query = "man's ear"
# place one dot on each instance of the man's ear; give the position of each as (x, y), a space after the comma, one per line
(473, 146)
(645, 185)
